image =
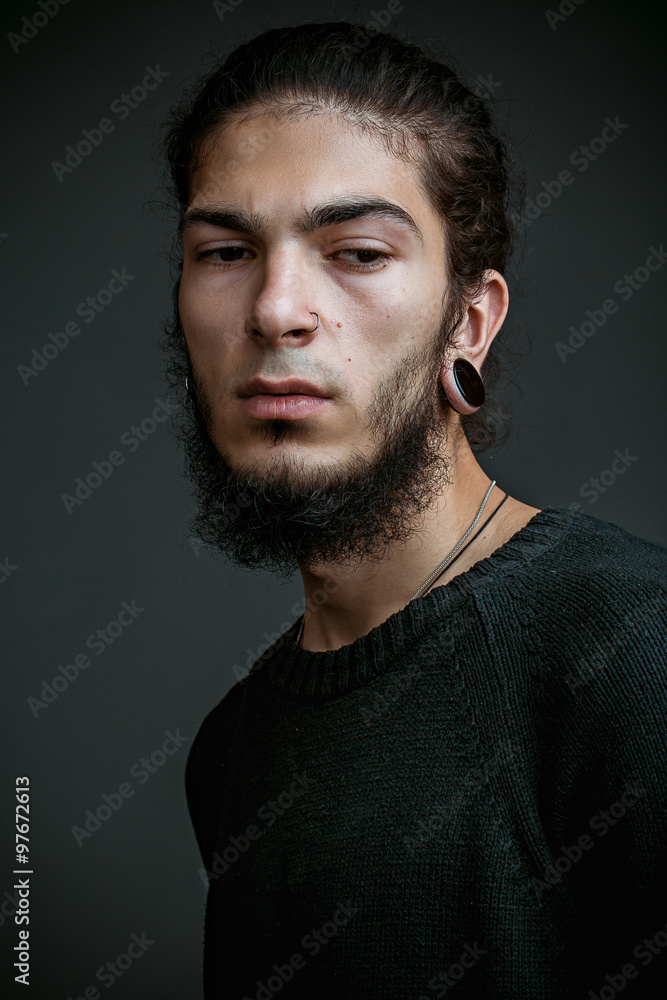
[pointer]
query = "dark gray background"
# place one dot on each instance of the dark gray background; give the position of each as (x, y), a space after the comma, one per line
(129, 539)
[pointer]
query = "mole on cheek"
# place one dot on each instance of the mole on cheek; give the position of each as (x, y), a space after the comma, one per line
(339, 324)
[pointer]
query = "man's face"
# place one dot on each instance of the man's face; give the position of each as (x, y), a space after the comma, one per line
(287, 219)
(248, 318)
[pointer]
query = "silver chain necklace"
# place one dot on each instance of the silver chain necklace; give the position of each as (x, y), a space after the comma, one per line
(437, 570)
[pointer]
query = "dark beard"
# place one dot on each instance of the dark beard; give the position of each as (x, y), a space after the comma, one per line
(313, 515)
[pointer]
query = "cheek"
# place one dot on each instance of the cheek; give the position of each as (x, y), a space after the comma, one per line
(200, 320)
(389, 331)
(187, 309)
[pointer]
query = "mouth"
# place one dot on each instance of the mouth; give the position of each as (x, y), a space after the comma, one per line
(288, 399)
(283, 405)
(285, 387)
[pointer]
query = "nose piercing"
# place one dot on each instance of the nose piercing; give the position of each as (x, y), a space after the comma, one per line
(316, 325)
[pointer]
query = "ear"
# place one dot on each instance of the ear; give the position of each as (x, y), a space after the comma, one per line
(484, 319)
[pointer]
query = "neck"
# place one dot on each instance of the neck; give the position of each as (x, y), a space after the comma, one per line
(345, 602)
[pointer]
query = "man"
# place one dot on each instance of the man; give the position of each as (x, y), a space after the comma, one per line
(447, 773)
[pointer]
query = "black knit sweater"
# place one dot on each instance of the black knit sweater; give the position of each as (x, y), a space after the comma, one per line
(468, 801)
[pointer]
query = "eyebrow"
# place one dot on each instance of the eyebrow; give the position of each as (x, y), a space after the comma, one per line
(320, 217)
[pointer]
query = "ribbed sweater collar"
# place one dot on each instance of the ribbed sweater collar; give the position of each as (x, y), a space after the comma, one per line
(319, 676)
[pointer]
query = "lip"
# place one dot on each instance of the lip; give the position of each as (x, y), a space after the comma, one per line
(289, 406)
(289, 386)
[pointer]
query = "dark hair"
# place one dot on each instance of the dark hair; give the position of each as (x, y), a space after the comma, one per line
(421, 110)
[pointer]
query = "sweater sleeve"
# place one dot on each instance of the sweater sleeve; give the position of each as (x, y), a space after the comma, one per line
(608, 810)
(204, 783)
(585, 699)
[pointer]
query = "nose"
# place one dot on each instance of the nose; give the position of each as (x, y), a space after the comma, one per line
(282, 311)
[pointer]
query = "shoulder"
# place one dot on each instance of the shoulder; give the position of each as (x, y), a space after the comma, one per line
(591, 675)
(216, 722)
(615, 572)
(604, 545)
(586, 605)
(598, 618)
(208, 749)
(591, 569)
(206, 772)
(583, 545)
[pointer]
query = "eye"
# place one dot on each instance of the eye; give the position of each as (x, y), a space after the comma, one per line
(368, 258)
(371, 259)
(229, 255)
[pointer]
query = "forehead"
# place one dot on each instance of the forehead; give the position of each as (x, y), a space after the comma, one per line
(275, 167)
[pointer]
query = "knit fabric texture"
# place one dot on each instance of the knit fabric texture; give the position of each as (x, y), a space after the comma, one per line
(469, 801)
